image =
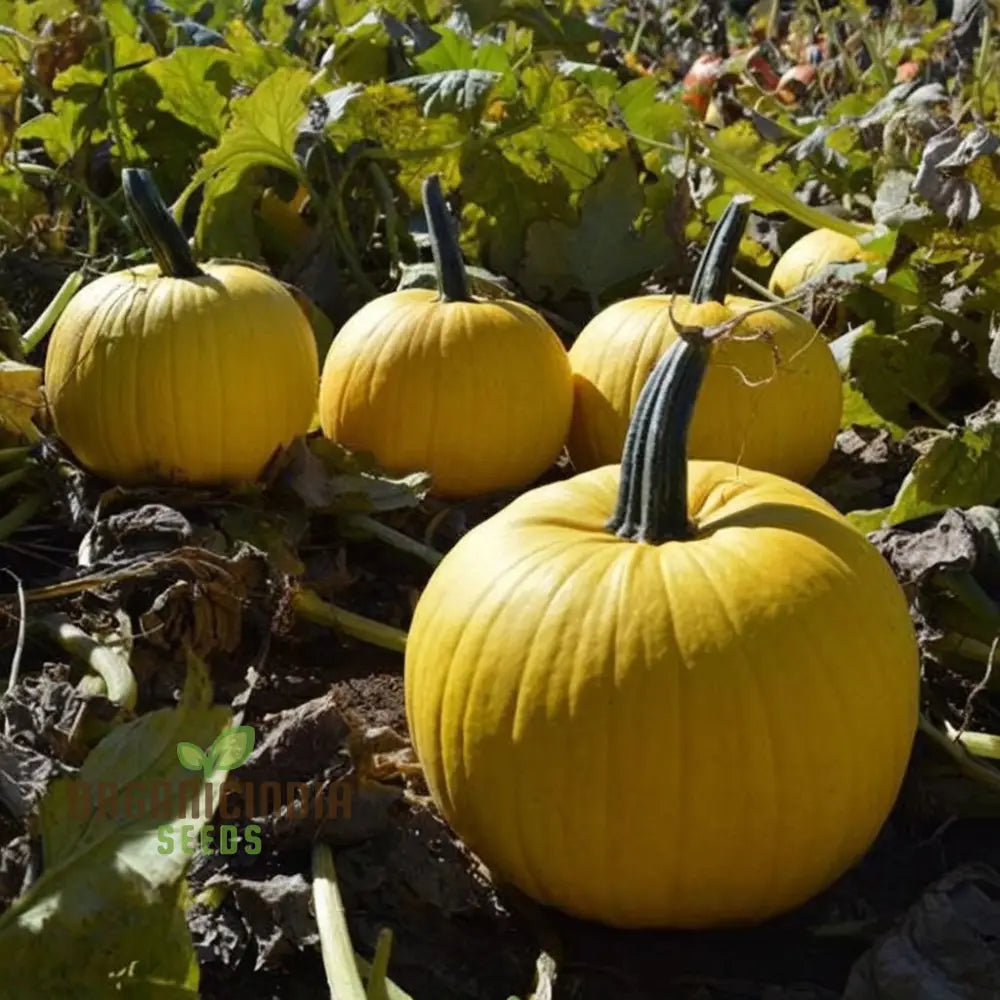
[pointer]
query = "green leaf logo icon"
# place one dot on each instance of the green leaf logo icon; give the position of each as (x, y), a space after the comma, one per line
(230, 749)
(191, 756)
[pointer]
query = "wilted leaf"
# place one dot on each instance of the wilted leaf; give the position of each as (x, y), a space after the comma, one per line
(327, 477)
(945, 947)
(940, 178)
(21, 398)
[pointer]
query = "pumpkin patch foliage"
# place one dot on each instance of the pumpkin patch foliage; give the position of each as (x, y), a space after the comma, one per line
(499, 501)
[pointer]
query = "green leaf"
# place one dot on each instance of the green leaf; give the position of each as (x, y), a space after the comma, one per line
(388, 114)
(261, 132)
(463, 91)
(195, 84)
(361, 52)
(644, 113)
(109, 903)
(19, 204)
(191, 756)
(455, 51)
(502, 199)
(606, 248)
(573, 136)
(599, 80)
(894, 373)
(56, 133)
(231, 748)
(482, 283)
(226, 226)
(960, 469)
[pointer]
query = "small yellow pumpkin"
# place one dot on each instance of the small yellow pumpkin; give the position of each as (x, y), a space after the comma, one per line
(809, 254)
(478, 393)
(178, 372)
(771, 400)
(665, 694)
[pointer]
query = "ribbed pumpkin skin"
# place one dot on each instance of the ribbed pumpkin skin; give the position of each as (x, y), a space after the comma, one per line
(808, 255)
(773, 405)
(697, 733)
(477, 393)
(195, 380)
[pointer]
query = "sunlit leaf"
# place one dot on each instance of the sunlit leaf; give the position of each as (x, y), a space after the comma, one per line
(261, 131)
(195, 84)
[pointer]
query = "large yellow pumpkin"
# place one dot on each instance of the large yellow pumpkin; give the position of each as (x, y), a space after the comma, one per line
(179, 372)
(478, 393)
(665, 694)
(809, 254)
(771, 399)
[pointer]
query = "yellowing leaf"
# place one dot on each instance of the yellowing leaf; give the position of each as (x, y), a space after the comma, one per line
(195, 84)
(261, 132)
(21, 398)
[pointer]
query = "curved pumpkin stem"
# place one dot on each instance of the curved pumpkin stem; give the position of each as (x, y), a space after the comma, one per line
(652, 496)
(453, 284)
(156, 225)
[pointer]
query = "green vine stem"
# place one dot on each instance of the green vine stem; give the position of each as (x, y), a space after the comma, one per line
(652, 497)
(963, 760)
(404, 543)
(308, 605)
(38, 330)
(334, 937)
(110, 665)
(16, 454)
(156, 225)
(453, 283)
(17, 518)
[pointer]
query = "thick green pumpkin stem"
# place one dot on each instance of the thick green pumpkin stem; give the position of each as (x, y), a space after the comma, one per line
(156, 225)
(652, 496)
(453, 284)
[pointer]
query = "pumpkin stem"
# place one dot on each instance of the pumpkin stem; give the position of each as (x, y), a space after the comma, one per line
(453, 284)
(652, 496)
(156, 225)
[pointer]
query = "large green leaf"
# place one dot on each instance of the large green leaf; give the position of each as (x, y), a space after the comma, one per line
(261, 132)
(107, 911)
(607, 246)
(195, 84)
(961, 468)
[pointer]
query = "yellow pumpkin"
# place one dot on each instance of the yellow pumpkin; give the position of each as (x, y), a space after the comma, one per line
(179, 372)
(478, 393)
(807, 256)
(670, 693)
(772, 398)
